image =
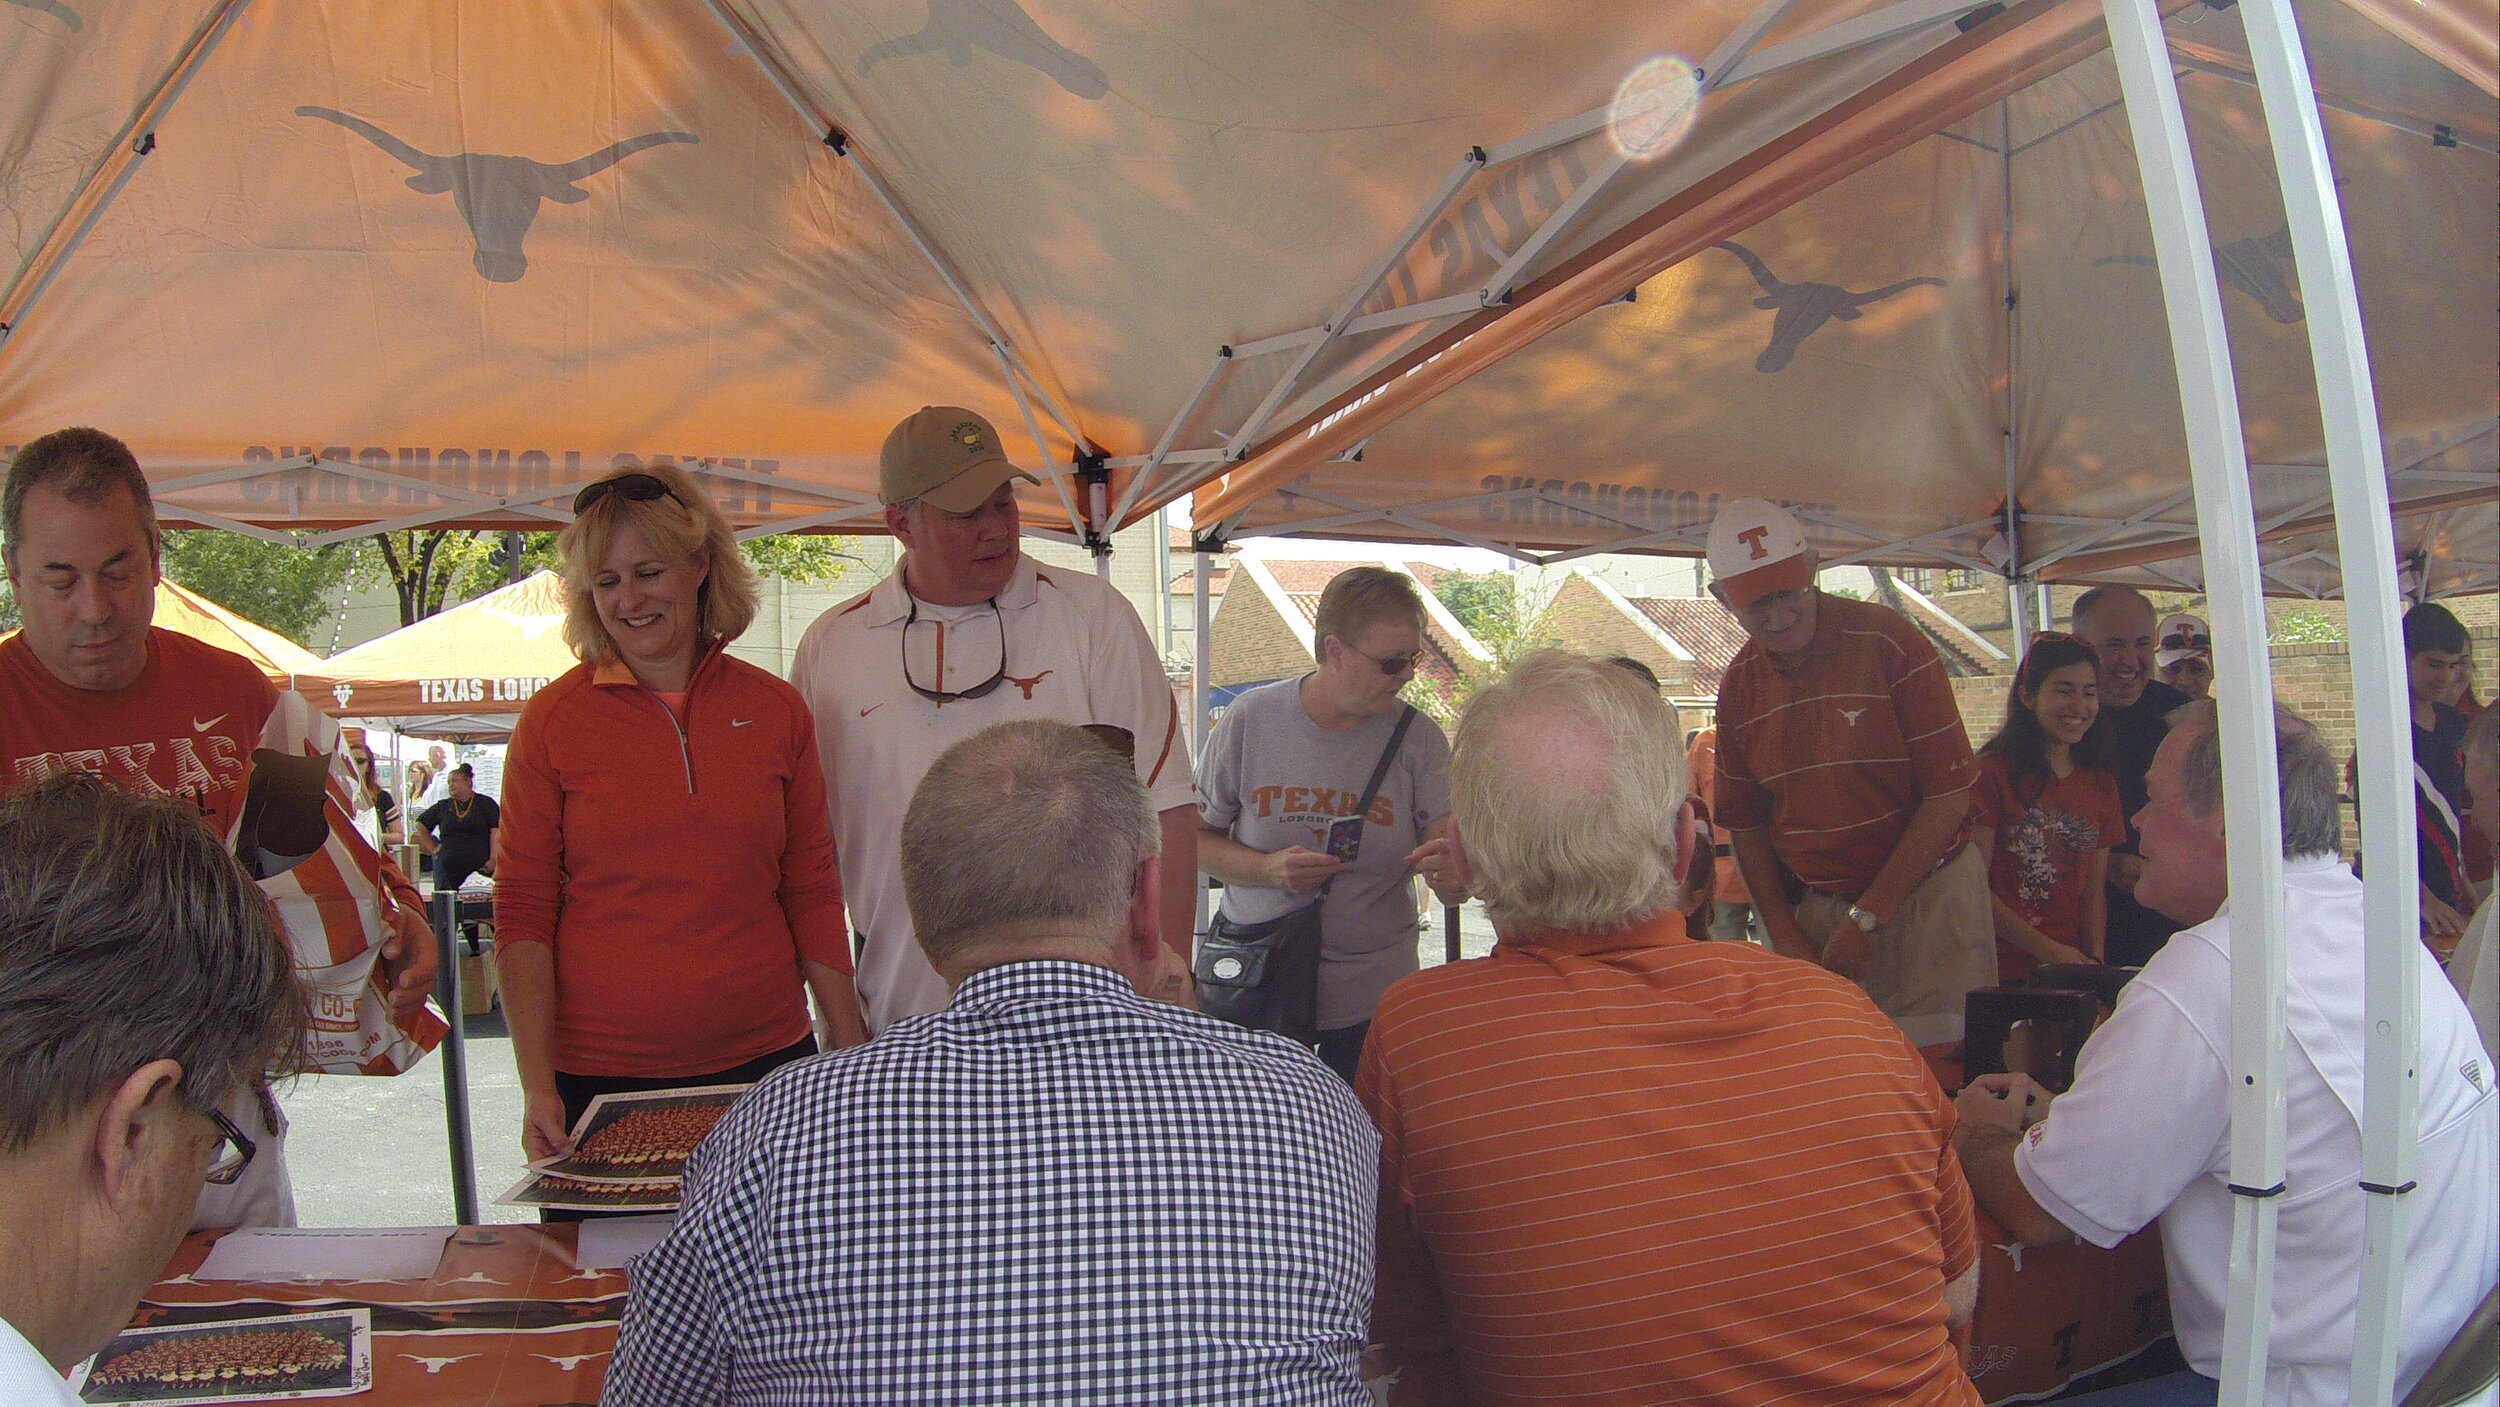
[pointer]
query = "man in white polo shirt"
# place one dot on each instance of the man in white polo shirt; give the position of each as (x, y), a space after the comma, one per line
(968, 632)
(2145, 1131)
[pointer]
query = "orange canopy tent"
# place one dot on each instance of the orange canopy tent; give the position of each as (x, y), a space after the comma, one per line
(180, 609)
(462, 674)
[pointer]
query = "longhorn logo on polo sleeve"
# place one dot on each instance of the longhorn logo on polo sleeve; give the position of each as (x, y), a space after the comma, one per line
(957, 28)
(1801, 309)
(56, 10)
(497, 196)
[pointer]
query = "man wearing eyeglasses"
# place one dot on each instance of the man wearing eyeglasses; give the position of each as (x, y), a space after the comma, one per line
(965, 633)
(1843, 767)
(141, 987)
(90, 685)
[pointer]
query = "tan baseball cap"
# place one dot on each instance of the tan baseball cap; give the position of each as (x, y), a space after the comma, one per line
(946, 455)
(1756, 548)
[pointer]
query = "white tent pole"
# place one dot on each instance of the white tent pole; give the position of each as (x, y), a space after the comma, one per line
(144, 120)
(2365, 538)
(1163, 447)
(2218, 462)
(2016, 568)
(1032, 427)
(1469, 163)
(1201, 691)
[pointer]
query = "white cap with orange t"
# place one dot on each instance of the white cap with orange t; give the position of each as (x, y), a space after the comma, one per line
(1757, 548)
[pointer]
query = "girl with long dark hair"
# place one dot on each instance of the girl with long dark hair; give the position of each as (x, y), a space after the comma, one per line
(2045, 811)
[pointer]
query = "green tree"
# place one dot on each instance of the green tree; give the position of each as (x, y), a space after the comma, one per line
(428, 566)
(8, 606)
(2306, 626)
(285, 588)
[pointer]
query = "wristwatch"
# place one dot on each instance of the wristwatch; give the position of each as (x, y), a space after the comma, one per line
(1865, 921)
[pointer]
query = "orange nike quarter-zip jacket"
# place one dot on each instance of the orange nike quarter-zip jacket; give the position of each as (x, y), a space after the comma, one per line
(680, 869)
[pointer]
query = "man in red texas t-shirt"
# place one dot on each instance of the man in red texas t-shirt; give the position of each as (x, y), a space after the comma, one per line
(90, 685)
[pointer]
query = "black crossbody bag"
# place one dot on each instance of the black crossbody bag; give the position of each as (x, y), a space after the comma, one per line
(1266, 975)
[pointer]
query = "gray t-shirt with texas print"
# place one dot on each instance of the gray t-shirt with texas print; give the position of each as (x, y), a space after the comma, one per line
(1271, 778)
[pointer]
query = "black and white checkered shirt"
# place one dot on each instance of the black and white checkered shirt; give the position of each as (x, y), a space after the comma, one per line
(1052, 1191)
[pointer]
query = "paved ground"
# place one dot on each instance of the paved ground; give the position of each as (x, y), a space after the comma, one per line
(375, 1152)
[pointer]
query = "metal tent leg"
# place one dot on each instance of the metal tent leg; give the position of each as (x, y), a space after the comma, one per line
(1201, 693)
(2226, 520)
(455, 1063)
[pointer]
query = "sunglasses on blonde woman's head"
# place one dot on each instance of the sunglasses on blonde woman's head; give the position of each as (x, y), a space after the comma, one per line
(633, 488)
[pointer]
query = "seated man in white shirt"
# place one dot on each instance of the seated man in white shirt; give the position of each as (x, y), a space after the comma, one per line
(2145, 1131)
(141, 983)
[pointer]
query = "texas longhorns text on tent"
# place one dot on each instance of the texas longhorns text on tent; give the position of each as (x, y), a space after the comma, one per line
(462, 674)
(331, 267)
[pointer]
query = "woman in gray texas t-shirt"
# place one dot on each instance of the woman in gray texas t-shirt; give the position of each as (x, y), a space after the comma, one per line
(1287, 763)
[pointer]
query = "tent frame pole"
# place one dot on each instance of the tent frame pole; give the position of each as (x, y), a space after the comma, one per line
(2366, 542)
(2217, 458)
(1201, 689)
(144, 120)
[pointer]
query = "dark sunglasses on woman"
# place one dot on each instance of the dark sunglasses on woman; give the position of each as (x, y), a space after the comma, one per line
(633, 488)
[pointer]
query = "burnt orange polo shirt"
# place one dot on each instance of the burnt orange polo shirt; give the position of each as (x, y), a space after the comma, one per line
(1633, 1168)
(1835, 754)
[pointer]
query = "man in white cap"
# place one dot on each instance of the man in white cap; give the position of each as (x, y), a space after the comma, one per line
(2186, 656)
(1843, 768)
(965, 633)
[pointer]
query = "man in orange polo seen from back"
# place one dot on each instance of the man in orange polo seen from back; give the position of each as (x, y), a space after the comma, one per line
(1620, 1166)
(1843, 767)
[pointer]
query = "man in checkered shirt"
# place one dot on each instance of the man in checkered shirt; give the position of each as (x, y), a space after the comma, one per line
(1052, 1190)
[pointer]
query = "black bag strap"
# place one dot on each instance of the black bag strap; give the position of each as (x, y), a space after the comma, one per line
(1389, 754)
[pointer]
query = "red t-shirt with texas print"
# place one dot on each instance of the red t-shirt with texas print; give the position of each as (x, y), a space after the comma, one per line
(186, 729)
(2046, 830)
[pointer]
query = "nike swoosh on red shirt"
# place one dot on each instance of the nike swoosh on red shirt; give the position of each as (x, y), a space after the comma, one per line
(198, 727)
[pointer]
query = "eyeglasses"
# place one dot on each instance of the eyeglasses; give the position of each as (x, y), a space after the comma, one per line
(1394, 664)
(911, 617)
(234, 1152)
(633, 488)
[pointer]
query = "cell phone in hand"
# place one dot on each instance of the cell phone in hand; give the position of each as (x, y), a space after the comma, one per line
(1345, 838)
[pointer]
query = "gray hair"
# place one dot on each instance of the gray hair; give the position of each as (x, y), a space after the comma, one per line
(83, 465)
(2305, 775)
(1023, 824)
(127, 935)
(2099, 596)
(1566, 779)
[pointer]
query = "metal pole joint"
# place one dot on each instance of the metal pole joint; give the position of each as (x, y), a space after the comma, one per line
(839, 140)
(1093, 472)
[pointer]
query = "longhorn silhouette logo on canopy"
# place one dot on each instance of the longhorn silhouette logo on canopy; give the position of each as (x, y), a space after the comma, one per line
(956, 28)
(2259, 267)
(497, 196)
(1803, 308)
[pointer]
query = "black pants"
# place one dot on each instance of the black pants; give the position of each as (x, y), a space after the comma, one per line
(1343, 1048)
(577, 1091)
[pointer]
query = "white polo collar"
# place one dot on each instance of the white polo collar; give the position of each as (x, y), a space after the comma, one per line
(889, 601)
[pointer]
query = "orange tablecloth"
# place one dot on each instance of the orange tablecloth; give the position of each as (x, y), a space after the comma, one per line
(2051, 1314)
(506, 1320)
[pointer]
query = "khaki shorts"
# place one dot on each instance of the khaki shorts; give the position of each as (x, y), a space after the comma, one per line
(1940, 946)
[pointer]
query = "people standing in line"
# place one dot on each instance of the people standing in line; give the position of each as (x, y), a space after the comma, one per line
(143, 989)
(459, 831)
(1621, 1167)
(967, 632)
(2145, 1132)
(2117, 622)
(89, 684)
(668, 897)
(1054, 1189)
(1279, 780)
(1843, 764)
(2044, 812)
(2185, 655)
(2436, 655)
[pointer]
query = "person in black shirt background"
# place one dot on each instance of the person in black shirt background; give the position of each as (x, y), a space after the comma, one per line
(459, 832)
(2117, 622)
